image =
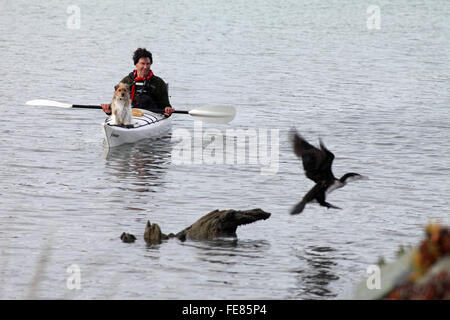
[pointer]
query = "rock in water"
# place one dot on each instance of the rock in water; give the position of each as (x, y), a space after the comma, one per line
(127, 237)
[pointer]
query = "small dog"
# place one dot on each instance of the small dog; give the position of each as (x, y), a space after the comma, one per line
(120, 105)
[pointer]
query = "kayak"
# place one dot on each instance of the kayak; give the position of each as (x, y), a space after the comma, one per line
(145, 124)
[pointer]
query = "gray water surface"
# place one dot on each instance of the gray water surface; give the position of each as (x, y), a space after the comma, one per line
(379, 98)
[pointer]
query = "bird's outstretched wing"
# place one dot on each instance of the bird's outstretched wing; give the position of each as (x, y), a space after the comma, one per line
(316, 162)
(327, 161)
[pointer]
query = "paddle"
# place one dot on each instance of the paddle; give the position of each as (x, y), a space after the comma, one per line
(212, 114)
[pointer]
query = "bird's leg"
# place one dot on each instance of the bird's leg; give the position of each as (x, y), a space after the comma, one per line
(320, 196)
(328, 205)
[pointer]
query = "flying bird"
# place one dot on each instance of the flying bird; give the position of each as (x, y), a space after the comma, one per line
(317, 165)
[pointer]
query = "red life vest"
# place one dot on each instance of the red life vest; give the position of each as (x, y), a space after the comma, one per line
(142, 83)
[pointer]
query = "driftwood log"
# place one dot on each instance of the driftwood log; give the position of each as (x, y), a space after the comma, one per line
(216, 224)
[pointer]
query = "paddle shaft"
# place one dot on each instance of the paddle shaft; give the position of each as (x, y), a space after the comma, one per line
(212, 114)
(82, 106)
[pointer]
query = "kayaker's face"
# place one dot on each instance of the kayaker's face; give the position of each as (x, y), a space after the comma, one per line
(143, 67)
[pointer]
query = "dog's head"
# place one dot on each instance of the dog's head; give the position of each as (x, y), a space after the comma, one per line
(122, 91)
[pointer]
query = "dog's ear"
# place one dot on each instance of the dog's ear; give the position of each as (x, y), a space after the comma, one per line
(115, 87)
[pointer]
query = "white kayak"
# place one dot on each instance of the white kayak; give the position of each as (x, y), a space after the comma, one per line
(145, 124)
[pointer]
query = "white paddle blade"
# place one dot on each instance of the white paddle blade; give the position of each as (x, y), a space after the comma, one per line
(48, 103)
(214, 114)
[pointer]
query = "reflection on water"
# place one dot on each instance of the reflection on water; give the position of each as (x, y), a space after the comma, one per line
(143, 162)
(315, 277)
(230, 247)
(225, 253)
(222, 250)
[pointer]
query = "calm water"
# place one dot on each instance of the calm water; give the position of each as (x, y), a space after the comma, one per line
(379, 98)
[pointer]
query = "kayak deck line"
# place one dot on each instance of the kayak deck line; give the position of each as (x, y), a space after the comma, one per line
(148, 119)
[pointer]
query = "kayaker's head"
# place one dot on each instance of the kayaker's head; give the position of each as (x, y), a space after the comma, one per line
(142, 60)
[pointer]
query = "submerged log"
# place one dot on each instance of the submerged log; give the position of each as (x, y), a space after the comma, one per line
(216, 224)
(221, 223)
(153, 233)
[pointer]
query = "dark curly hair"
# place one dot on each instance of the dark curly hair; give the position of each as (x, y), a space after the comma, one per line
(142, 53)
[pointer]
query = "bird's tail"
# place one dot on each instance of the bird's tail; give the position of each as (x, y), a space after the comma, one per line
(298, 208)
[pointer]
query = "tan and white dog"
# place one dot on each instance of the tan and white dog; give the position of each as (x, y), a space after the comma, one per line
(121, 106)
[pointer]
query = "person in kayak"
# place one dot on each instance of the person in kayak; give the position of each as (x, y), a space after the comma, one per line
(148, 91)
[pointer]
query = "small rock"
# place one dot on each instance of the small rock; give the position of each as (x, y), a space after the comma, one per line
(127, 237)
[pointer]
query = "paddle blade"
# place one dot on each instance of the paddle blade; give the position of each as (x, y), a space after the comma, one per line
(214, 114)
(48, 103)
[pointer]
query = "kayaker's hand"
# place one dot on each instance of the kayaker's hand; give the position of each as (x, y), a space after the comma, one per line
(168, 111)
(106, 108)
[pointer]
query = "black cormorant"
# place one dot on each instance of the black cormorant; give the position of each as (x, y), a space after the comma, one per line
(317, 165)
